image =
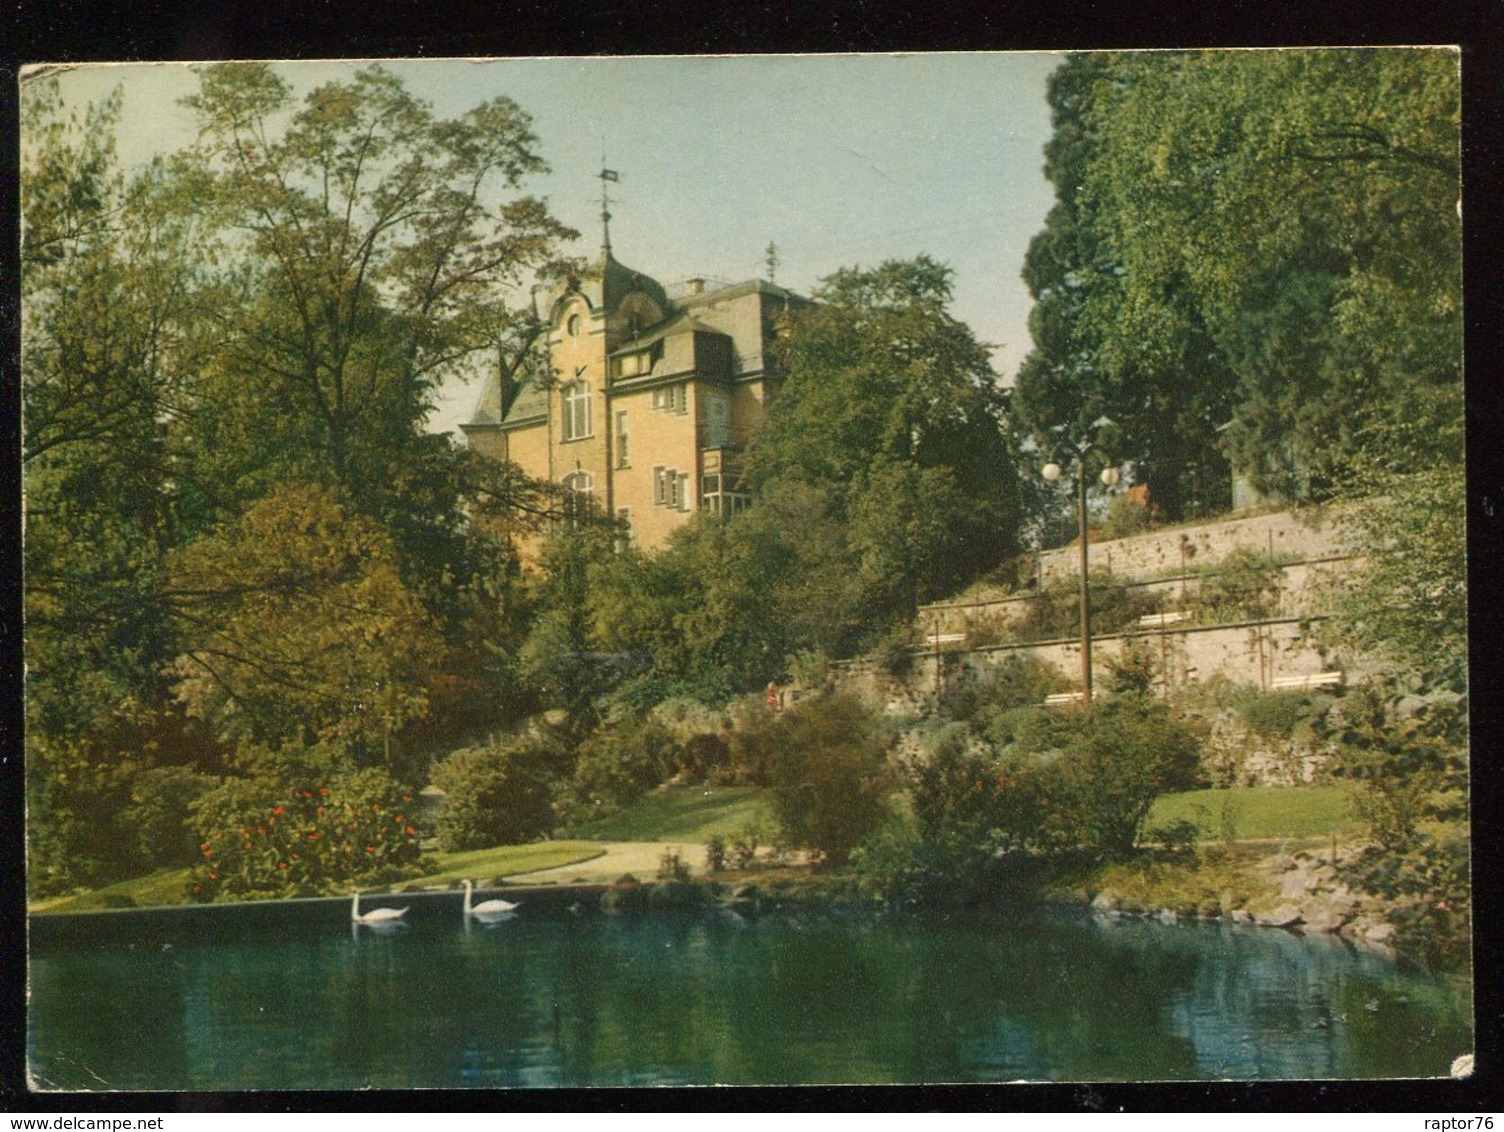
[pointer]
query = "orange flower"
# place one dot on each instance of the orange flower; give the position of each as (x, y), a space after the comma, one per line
(411, 831)
(278, 810)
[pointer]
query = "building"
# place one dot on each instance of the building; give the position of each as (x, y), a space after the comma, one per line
(637, 399)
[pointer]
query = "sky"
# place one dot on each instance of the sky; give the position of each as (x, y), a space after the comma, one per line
(839, 160)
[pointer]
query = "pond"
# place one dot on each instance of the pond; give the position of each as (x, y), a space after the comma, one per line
(300, 999)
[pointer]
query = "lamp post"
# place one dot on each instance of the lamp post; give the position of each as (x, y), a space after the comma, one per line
(1052, 472)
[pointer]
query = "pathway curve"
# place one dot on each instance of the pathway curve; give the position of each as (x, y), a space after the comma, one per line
(640, 858)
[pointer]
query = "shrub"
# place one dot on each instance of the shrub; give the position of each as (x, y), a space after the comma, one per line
(671, 866)
(976, 694)
(704, 756)
(1128, 752)
(499, 795)
(744, 849)
(1127, 514)
(620, 763)
(971, 809)
(1131, 672)
(1055, 611)
(1244, 586)
(1279, 715)
(76, 796)
(159, 814)
(715, 854)
(829, 775)
(266, 837)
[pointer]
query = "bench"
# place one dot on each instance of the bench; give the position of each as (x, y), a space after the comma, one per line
(1061, 698)
(1160, 620)
(1314, 680)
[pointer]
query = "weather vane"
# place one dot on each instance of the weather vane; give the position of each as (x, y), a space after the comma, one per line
(607, 176)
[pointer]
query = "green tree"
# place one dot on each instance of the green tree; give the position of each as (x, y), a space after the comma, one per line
(375, 249)
(560, 656)
(298, 628)
(1406, 603)
(1163, 306)
(890, 404)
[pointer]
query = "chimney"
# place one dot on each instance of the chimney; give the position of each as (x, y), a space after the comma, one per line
(694, 286)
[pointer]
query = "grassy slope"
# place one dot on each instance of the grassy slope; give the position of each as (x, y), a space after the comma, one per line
(687, 813)
(1262, 812)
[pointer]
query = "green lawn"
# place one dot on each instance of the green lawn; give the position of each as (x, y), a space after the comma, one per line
(169, 887)
(1262, 812)
(687, 813)
(506, 860)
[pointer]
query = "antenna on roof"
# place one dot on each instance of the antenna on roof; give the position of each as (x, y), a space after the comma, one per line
(772, 261)
(607, 176)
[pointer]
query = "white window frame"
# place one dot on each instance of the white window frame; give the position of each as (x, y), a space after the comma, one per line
(672, 398)
(623, 457)
(577, 410)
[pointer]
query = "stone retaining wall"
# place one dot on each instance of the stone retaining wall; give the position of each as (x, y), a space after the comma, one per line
(1284, 536)
(1252, 653)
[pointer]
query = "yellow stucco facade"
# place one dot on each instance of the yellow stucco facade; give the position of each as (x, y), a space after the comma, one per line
(640, 399)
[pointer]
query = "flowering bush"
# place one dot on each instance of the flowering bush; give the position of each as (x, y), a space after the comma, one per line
(264, 837)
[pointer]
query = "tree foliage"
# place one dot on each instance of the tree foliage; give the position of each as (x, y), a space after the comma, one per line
(299, 627)
(230, 354)
(890, 406)
(498, 795)
(1267, 241)
(828, 771)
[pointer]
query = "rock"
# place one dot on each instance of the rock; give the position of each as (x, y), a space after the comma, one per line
(1074, 896)
(1104, 902)
(1285, 916)
(1321, 917)
(1380, 932)
(1294, 884)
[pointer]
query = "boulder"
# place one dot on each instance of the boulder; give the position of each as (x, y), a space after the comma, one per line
(1285, 916)
(1320, 916)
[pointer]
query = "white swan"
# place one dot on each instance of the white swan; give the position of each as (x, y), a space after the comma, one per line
(487, 907)
(375, 916)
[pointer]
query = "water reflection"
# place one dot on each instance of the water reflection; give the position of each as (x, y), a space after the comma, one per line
(696, 999)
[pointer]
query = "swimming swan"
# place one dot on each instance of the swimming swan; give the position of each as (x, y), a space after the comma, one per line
(487, 907)
(375, 915)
